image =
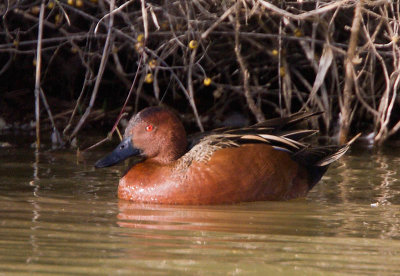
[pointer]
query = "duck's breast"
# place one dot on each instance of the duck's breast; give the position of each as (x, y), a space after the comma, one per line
(247, 173)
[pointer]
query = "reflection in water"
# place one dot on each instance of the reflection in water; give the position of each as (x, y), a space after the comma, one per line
(59, 216)
(291, 235)
(35, 208)
(244, 218)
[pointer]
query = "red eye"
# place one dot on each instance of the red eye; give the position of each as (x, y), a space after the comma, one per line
(149, 128)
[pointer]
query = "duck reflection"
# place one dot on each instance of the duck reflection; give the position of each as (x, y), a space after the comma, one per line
(176, 217)
(282, 218)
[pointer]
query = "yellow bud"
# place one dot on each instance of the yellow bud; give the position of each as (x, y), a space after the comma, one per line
(139, 47)
(57, 19)
(274, 52)
(207, 81)
(298, 33)
(152, 63)
(164, 25)
(193, 44)
(35, 10)
(79, 3)
(395, 39)
(34, 62)
(70, 2)
(282, 71)
(140, 38)
(16, 43)
(50, 5)
(74, 50)
(217, 93)
(149, 78)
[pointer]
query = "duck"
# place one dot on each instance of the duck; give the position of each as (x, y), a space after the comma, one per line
(261, 162)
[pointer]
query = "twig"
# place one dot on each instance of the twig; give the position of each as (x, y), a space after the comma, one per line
(191, 91)
(37, 75)
(216, 23)
(145, 21)
(127, 97)
(78, 102)
(121, 113)
(118, 9)
(245, 73)
(96, 144)
(345, 107)
(102, 66)
(305, 14)
(55, 130)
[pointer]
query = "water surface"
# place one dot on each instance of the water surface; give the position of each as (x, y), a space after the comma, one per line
(58, 215)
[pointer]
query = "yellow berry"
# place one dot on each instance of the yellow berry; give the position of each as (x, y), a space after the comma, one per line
(193, 44)
(275, 52)
(395, 38)
(79, 3)
(16, 43)
(34, 62)
(140, 38)
(149, 78)
(152, 63)
(282, 71)
(70, 2)
(207, 81)
(50, 5)
(298, 33)
(74, 50)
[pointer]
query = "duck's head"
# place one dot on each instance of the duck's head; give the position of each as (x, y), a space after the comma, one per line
(154, 133)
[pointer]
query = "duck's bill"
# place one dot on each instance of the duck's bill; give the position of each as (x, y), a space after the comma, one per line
(124, 150)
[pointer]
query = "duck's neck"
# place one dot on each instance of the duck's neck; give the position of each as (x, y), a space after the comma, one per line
(171, 150)
(166, 158)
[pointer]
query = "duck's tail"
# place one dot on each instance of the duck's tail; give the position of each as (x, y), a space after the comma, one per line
(336, 155)
(322, 157)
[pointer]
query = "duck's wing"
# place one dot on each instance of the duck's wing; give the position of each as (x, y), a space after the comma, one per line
(287, 122)
(285, 142)
(277, 133)
(277, 127)
(206, 146)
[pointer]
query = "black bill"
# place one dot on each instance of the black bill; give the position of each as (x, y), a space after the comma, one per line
(124, 150)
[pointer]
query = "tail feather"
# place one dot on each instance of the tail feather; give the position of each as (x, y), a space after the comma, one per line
(338, 154)
(318, 169)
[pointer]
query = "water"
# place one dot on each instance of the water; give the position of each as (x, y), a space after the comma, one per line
(61, 216)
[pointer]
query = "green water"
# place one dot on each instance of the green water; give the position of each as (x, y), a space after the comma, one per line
(60, 216)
